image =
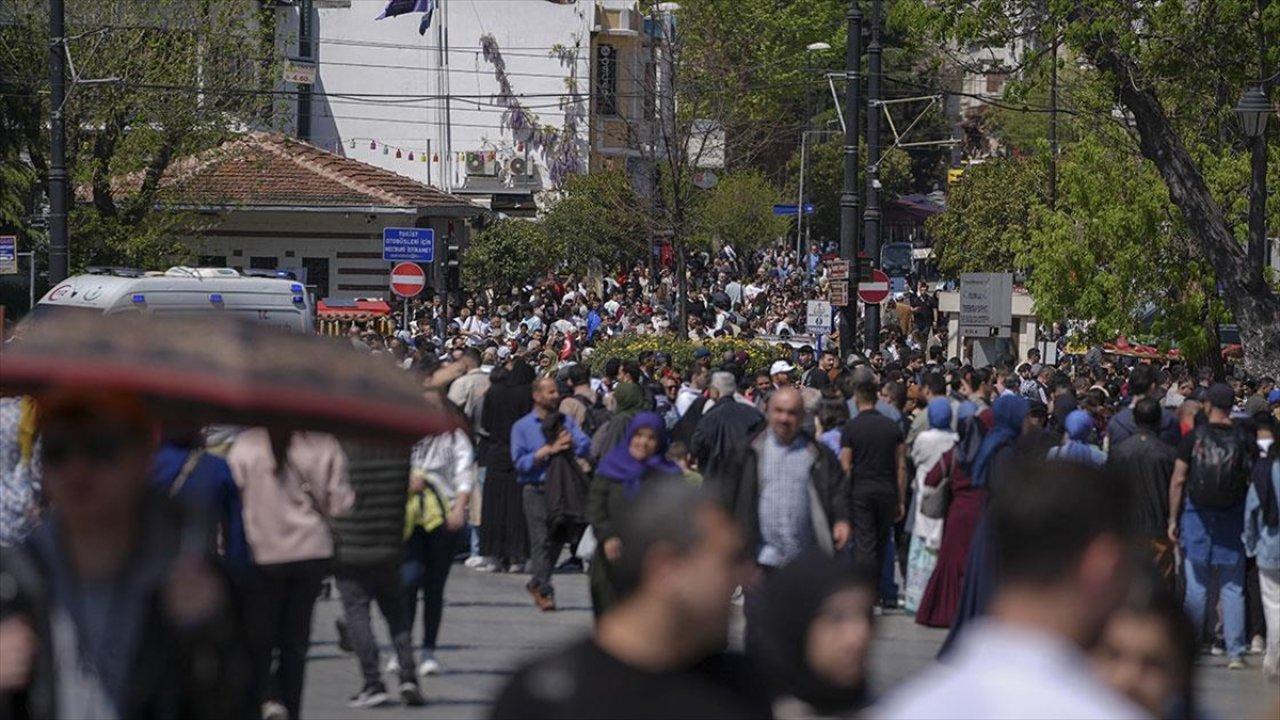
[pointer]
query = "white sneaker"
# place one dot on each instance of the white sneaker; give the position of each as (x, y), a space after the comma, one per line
(392, 666)
(429, 666)
(473, 562)
(272, 710)
(1258, 646)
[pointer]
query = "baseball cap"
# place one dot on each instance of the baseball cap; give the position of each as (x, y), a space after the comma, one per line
(1221, 396)
(701, 352)
(781, 366)
(1273, 397)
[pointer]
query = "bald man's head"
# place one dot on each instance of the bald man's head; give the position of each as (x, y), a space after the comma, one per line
(545, 394)
(786, 413)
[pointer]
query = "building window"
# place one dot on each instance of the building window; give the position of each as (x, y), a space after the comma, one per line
(995, 83)
(213, 261)
(607, 80)
(262, 263)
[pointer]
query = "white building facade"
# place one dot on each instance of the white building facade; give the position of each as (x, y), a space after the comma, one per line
(493, 102)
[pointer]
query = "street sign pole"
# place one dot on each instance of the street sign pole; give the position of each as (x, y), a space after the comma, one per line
(850, 211)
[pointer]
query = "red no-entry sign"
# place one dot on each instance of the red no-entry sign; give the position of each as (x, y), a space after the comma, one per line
(875, 290)
(407, 279)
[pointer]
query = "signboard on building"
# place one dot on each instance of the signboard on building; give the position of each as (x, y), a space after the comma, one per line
(301, 72)
(838, 294)
(8, 255)
(818, 317)
(839, 270)
(986, 305)
(409, 244)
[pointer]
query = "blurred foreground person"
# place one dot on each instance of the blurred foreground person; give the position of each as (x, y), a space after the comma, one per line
(292, 484)
(111, 608)
(1060, 552)
(1148, 650)
(366, 567)
(658, 653)
(816, 635)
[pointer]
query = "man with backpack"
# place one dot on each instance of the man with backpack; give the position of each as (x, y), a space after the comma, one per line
(1212, 476)
(582, 403)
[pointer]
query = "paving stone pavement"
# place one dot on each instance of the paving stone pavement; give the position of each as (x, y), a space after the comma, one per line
(491, 626)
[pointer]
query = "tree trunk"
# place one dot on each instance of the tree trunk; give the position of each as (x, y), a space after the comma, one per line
(1252, 301)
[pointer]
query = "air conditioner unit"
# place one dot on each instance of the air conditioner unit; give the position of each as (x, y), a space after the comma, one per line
(518, 167)
(478, 163)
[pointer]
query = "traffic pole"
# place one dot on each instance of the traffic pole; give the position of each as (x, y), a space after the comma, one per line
(59, 246)
(872, 217)
(850, 204)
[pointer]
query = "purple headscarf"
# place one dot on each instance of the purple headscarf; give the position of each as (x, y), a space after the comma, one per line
(619, 466)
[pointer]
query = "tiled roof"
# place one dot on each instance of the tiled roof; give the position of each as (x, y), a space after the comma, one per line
(269, 169)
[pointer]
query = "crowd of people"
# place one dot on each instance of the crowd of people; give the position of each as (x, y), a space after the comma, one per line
(1084, 529)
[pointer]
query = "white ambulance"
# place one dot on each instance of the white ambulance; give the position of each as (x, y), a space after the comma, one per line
(276, 300)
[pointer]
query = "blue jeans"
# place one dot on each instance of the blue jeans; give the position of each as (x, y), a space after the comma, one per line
(1207, 582)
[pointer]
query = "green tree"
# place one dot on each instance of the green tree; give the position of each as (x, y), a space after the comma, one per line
(824, 182)
(175, 77)
(508, 253)
(1171, 73)
(988, 220)
(738, 211)
(597, 217)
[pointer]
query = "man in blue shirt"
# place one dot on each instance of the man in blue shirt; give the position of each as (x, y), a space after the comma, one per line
(531, 452)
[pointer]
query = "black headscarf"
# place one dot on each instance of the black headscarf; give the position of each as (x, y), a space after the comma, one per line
(793, 597)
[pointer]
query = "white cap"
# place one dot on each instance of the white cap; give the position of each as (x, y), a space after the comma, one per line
(781, 366)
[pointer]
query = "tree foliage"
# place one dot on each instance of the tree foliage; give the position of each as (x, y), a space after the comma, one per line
(824, 182)
(738, 211)
(506, 254)
(597, 217)
(1157, 81)
(174, 76)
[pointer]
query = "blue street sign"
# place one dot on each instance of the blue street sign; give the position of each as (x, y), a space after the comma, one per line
(791, 209)
(8, 255)
(897, 284)
(409, 245)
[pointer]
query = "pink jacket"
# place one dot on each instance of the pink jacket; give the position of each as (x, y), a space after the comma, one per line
(286, 513)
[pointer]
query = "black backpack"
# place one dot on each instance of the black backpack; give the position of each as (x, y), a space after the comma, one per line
(1218, 476)
(596, 417)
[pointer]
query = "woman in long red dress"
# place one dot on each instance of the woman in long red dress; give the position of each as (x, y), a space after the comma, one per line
(942, 595)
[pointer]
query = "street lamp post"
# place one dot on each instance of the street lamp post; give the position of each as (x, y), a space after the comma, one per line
(1253, 110)
(809, 50)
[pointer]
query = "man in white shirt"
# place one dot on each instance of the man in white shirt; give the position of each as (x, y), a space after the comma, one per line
(1059, 548)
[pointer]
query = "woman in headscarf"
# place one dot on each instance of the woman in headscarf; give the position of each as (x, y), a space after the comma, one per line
(932, 447)
(628, 400)
(1077, 447)
(942, 594)
(979, 578)
(503, 535)
(816, 634)
(640, 457)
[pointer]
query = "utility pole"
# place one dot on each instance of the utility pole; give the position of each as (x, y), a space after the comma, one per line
(59, 245)
(1053, 121)
(305, 48)
(850, 210)
(872, 232)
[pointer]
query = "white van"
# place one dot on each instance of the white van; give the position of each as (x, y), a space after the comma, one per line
(274, 301)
